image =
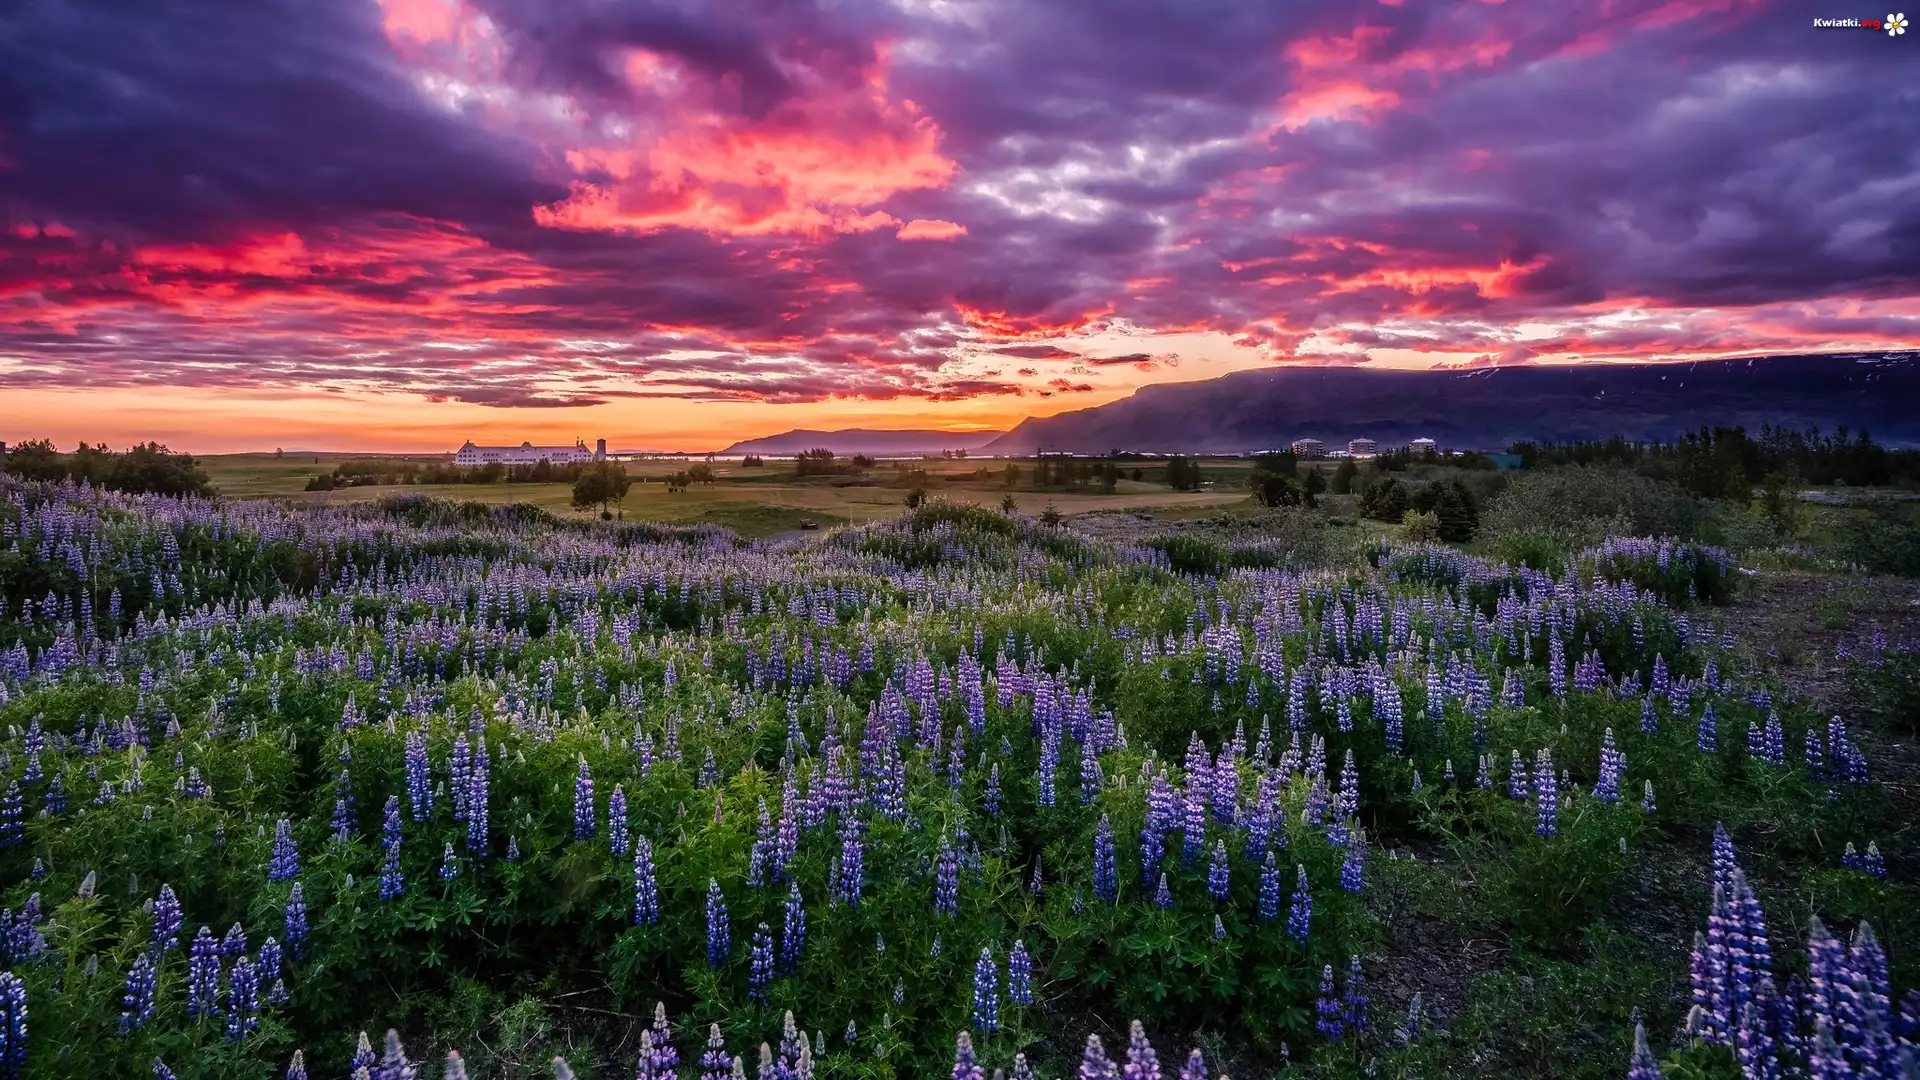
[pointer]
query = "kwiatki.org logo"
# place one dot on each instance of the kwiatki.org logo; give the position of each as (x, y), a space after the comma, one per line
(1894, 25)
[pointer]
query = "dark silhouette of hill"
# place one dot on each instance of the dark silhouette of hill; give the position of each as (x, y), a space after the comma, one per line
(865, 441)
(1490, 408)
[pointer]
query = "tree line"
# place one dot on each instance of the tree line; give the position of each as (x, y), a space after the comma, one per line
(1727, 462)
(146, 469)
(378, 471)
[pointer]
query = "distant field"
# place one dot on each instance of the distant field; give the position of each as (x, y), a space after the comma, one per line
(754, 501)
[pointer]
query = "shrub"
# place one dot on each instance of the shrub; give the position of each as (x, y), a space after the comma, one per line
(1419, 525)
(1584, 504)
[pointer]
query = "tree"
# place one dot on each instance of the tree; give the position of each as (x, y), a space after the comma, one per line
(1182, 474)
(1316, 484)
(36, 459)
(1458, 517)
(701, 473)
(1007, 505)
(601, 484)
(1385, 500)
(1051, 516)
(678, 481)
(152, 469)
(1344, 475)
(751, 461)
(1011, 477)
(1780, 502)
(1275, 489)
(916, 497)
(1109, 477)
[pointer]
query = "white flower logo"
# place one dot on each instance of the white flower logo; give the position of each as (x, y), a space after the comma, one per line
(1897, 23)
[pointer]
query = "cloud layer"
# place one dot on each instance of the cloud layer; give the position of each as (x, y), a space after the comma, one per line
(518, 204)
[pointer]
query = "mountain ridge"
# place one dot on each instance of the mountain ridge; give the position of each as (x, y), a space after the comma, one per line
(1490, 408)
(865, 441)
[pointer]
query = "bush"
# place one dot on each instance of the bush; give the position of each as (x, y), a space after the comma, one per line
(1580, 505)
(1419, 525)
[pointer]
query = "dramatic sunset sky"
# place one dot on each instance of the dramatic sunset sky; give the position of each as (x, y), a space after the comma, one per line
(349, 224)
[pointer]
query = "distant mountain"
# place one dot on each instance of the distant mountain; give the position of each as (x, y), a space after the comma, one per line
(865, 441)
(1489, 408)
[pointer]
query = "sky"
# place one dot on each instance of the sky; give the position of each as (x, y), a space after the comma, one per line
(399, 224)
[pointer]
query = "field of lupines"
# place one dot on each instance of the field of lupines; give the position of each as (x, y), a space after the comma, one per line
(947, 795)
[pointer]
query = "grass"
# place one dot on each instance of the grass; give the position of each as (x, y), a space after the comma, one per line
(756, 502)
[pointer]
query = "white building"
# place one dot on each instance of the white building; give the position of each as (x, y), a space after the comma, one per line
(1361, 447)
(1421, 446)
(1309, 448)
(528, 454)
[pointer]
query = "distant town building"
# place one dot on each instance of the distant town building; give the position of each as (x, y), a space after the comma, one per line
(1358, 447)
(1421, 446)
(528, 454)
(1309, 448)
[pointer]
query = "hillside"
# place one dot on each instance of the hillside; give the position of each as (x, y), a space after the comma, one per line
(865, 441)
(1491, 407)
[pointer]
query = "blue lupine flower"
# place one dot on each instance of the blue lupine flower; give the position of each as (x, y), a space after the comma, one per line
(243, 999)
(646, 892)
(1163, 896)
(1518, 784)
(719, 934)
(297, 1068)
(1642, 1066)
(946, 881)
(1217, 871)
(852, 861)
(1353, 867)
(1646, 799)
(13, 1026)
(203, 975)
(269, 961)
(1606, 787)
(479, 776)
(617, 821)
(1196, 1066)
(1094, 1064)
(235, 942)
(986, 993)
(1300, 915)
(166, 921)
(1331, 1017)
(136, 1007)
(1106, 881)
(1354, 1003)
(993, 791)
(449, 867)
(56, 800)
(1705, 737)
(1020, 974)
(419, 786)
(11, 806)
(1546, 796)
(760, 964)
(1649, 720)
(1269, 888)
(285, 862)
(296, 920)
(583, 816)
(665, 1056)
(1219, 929)
(392, 882)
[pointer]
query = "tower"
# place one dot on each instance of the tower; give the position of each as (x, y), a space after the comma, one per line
(600, 450)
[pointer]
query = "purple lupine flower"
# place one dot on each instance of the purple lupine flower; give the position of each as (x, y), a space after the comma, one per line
(966, 1065)
(617, 821)
(1094, 1063)
(1217, 871)
(1646, 798)
(1706, 738)
(13, 1026)
(392, 882)
(269, 961)
(162, 1072)
(1873, 862)
(1020, 974)
(1269, 888)
(993, 791)
(203, 975)
(479, 777)
(296, 921)
(458, 778)
(1327, 1008)
(1606, 787)
(235, 942)
(12, 829)
(1196, 1066)
(1163, 896)
(583, 811)
(714, 1063)
(1142, 1062)
(760, 964)
(986, 993)
(449, 868)
(1300, 915)
(136, 1007)
(1649, 720)
(719, 935)
(946, 881)
(419, 786)
(1152, 851)
(665, 1056)
(852, 861)
(1642, 1066)
(646, 892)
(1546, 796)
(284, 865)
(1106, 881)
(1518, 783)
(166, 921)
(243, 999)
